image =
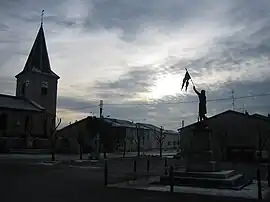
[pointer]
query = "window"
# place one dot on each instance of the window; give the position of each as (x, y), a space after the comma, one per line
(169, 143)
(23, 88)
(44, 91)
(3, 121)
(44, 88)
(28, 124)
(25, 84)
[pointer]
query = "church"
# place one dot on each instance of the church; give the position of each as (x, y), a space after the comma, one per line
(31, 112)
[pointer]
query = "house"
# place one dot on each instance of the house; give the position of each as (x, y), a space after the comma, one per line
(123, 135)
(172, 139)
(153, 134)
(120, 133)
(31, 112)
(235, 135)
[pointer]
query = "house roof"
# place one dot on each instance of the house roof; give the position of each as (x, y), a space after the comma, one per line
(114, 122)
(18, 103)
(150, 126)
(171, 132)
(255, 116)
(38, 59)
(120, 123)
(124, 123)
(259, 116)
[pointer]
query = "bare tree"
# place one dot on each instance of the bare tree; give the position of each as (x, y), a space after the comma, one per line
(53, 136)
(126, 139)
(80, 141)
(28, 131)
(125, 146)
(160, 137)
(137, 139)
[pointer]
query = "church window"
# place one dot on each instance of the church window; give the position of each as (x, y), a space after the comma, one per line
(3, 121)
(25, 84)
(44, 88)
(28, 124)
(23, 88)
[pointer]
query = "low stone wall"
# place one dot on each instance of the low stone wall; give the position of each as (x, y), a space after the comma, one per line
(9, 143)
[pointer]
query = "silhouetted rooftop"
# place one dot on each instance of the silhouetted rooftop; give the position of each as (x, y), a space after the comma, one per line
(18, 103)
(38, 59)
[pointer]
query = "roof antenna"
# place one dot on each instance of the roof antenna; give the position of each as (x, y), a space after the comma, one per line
(42, 15)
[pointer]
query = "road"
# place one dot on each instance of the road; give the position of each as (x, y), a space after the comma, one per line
(24, 180)
(85, 156)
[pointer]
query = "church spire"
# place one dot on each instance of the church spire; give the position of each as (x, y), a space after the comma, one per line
(42, 15)
(38, 59)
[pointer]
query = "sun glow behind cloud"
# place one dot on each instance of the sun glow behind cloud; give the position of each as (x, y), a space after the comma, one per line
(91, 42)
(166, 85)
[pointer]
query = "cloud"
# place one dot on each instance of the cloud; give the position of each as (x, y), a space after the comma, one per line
(7, 85)
(133, 54)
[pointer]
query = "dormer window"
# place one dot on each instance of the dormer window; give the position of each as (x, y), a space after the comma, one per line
(44, 88)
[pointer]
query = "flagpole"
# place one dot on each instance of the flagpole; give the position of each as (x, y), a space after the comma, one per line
(190, 77)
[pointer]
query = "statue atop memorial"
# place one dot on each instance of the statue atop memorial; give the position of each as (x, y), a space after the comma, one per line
(202, 104)
(201, 96)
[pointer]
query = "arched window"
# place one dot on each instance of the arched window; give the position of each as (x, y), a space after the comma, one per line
(44, 88)
(25, 84)
(23, 88)
(3, 121)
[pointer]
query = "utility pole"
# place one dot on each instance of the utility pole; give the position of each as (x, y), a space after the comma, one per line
(100, 117)
(138, 140)
(233, 99)
(98, 135)
(101, 109)
(259, 185)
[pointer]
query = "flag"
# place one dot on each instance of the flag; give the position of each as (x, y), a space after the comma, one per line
(186, 80)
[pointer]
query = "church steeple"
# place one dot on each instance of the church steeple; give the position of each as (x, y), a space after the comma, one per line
(37, 81)
(38, 59)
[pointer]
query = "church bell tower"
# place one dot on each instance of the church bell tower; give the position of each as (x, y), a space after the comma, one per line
(37, 81)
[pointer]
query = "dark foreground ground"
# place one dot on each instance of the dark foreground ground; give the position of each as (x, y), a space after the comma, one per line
(24, 180)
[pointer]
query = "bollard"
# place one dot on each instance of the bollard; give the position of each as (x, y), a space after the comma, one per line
(148, 165)
(259, 184)
(171, 179)
(268, 175)
(135, 166)
(165, 167)
(105, 173)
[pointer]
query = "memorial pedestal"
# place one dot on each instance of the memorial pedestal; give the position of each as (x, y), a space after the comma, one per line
(201, 169)
(200, 156)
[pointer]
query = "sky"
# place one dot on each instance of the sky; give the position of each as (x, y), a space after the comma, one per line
(133, 55)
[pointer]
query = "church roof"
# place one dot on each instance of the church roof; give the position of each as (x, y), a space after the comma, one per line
(18, 103)
(38, 59)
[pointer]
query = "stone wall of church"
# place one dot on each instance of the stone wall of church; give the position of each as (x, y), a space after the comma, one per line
(14, 125)
(33, 90)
